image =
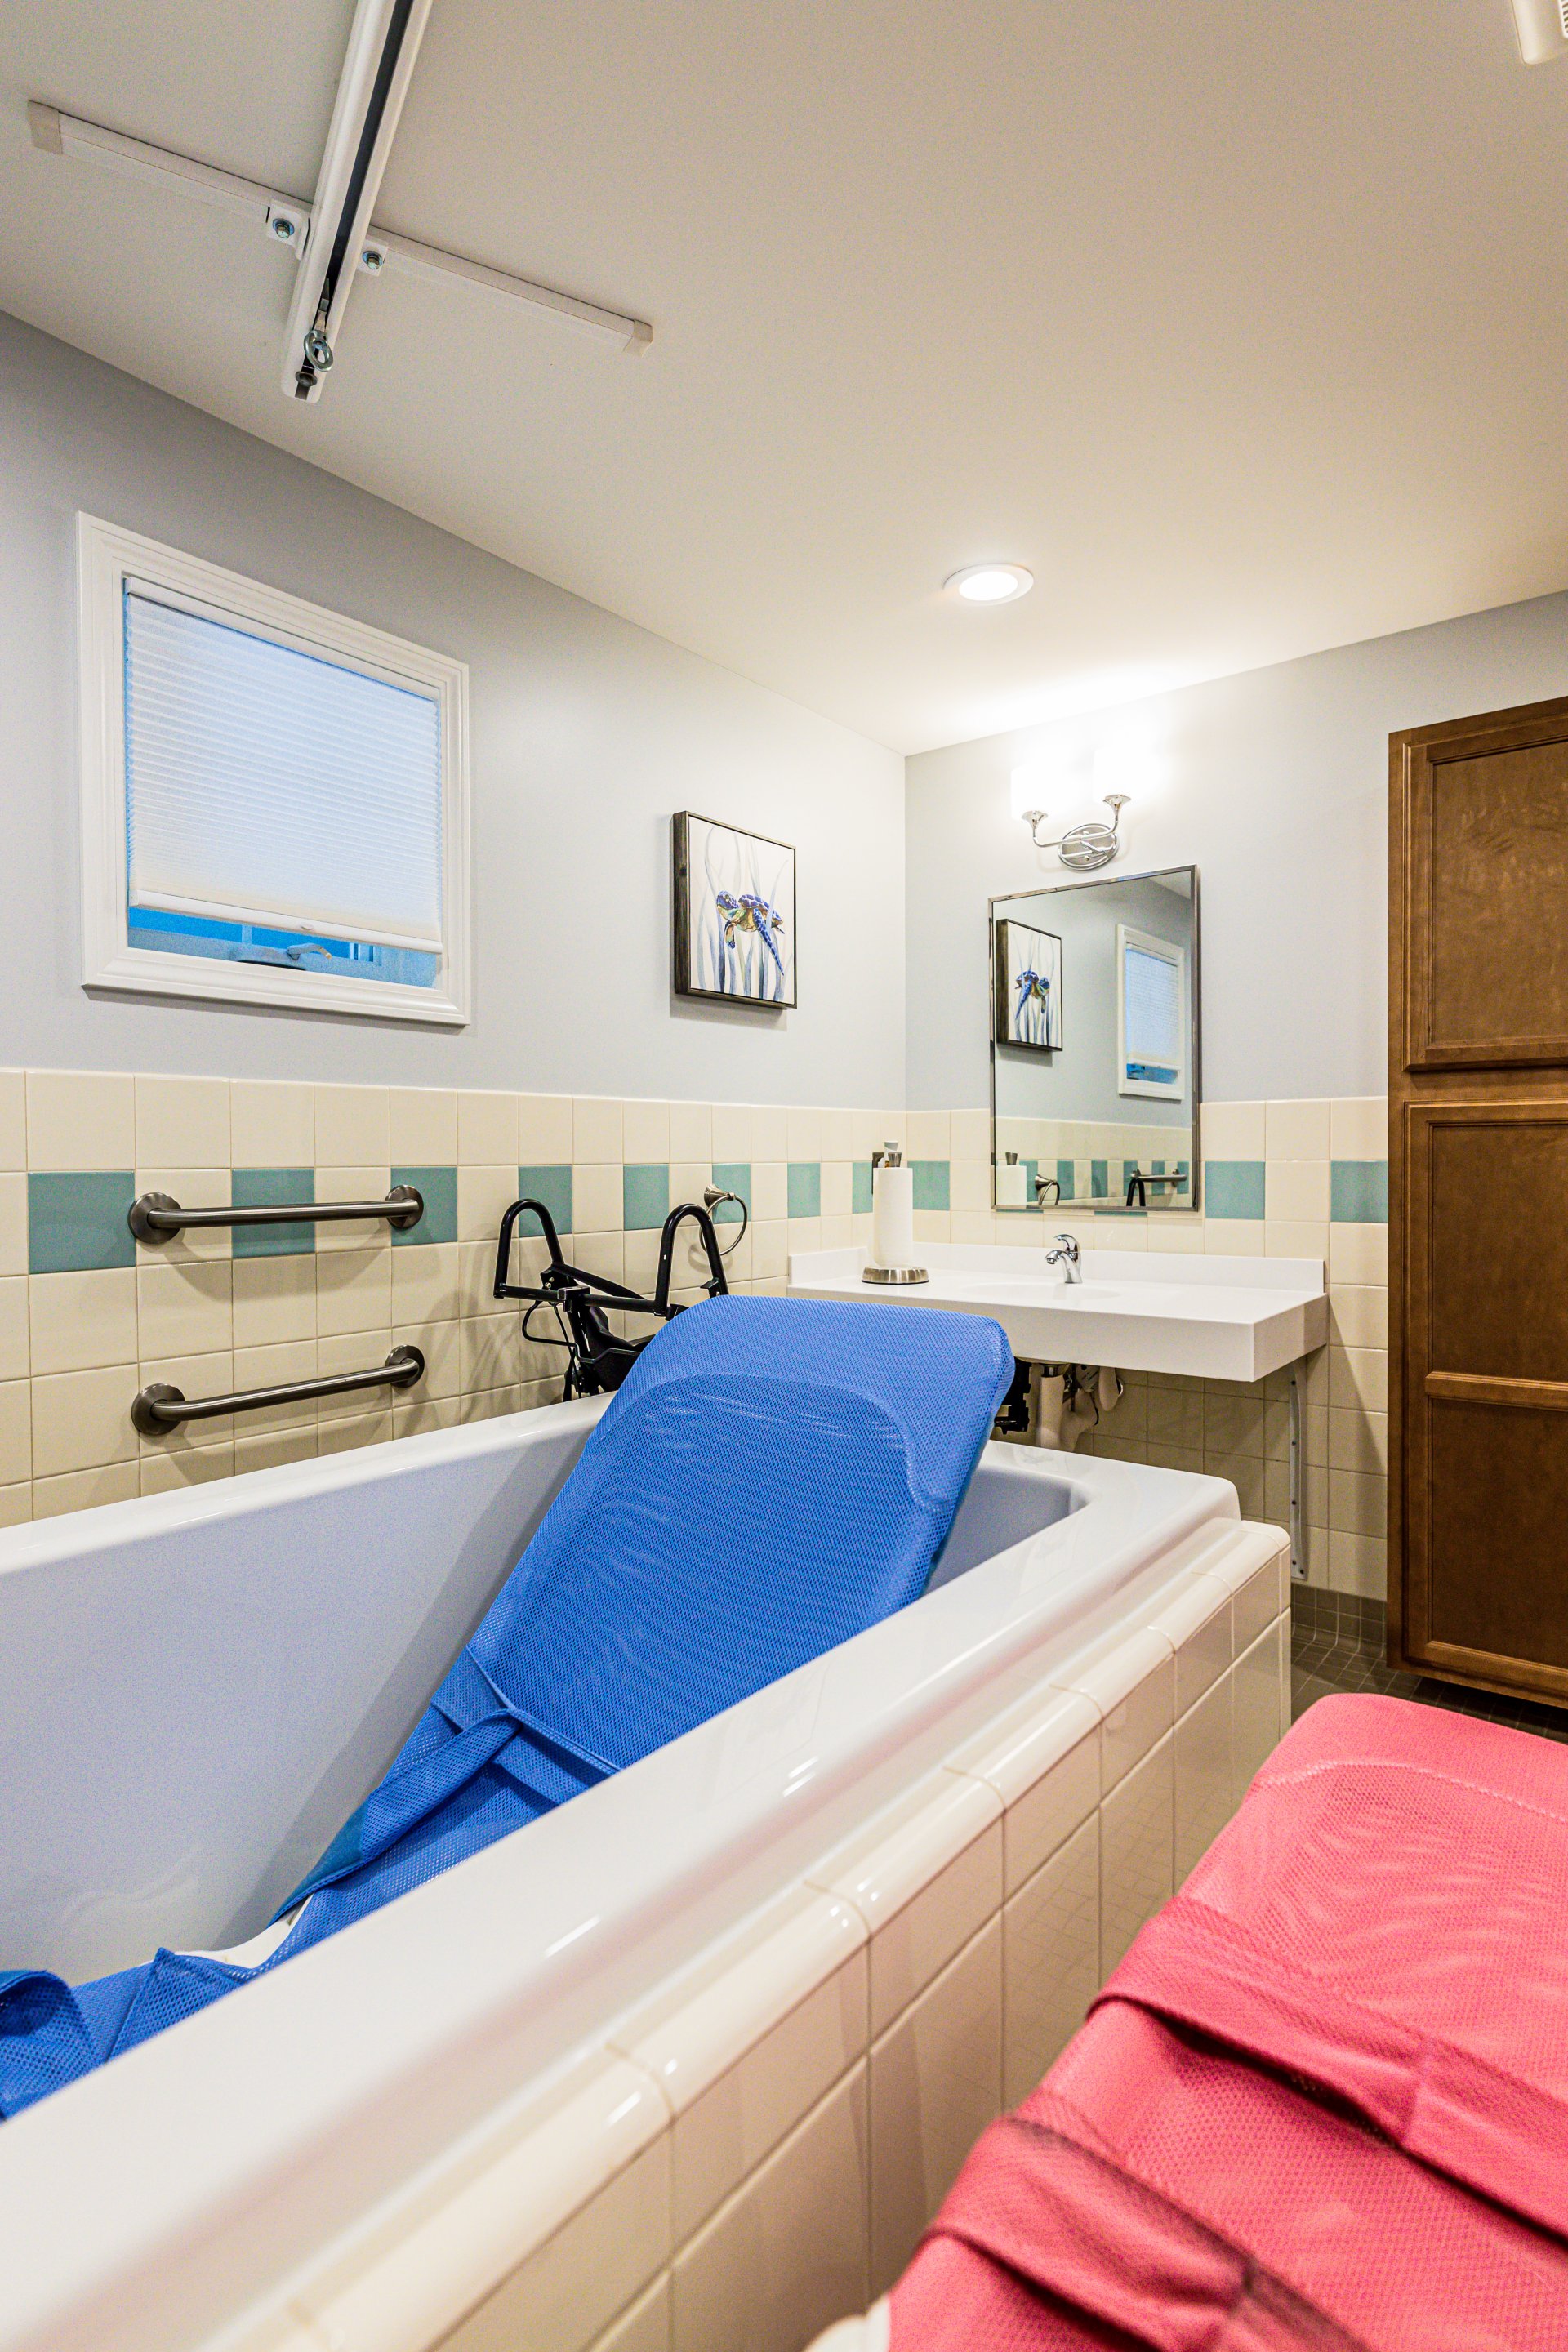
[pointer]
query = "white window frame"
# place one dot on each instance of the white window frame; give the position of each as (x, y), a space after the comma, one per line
(107, 559)
(1169, 951)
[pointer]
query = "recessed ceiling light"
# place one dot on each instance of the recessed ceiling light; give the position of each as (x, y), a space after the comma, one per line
(992, 583)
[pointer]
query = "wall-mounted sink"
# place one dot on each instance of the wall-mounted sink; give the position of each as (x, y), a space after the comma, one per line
(1231, 1318)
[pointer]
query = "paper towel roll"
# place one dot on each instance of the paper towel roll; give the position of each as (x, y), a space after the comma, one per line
(1012, 1177)
(893, 1216)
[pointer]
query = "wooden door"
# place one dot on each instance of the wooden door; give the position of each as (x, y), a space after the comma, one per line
(1478, 1202)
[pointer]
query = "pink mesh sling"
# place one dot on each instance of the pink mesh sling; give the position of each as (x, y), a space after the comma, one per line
(1324, 2099)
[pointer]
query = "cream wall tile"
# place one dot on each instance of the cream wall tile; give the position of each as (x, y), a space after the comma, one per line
(1358, 1127)
(969, 1189)
(1042, 1758)
(1358, 1379)
(1131, 1679)
(13, 1118)
(194, 1188)
(487, 1130)
(647, 2325)
(422, 1127)
(1296, 1241)
(1296, 1191)
(770, 1249)
(770, 1133)
(1256, 1725)
(428, 1412)
(1234, 1237)
(1358, 1564)
(183, 1122)
(1297, 1131)
(1234, 1130)
(1137, 1850)
(1358, 1315)
(271, 1124)
(205, 1374)
(347, 1433)
(274, 1299)
(78, 1320)
(441, 1345)
(1113, 1232)
(770, 1191)
(597, 1205)
(80, 1119)
(601, 1254)
(733, 1132)
(969, 1135)
(354, 1291)
(645, 1132)
(928, 1135)
(692, 1132)
(278, 1446)
(185, 1309)
(596, 1131)
(490, 1353)
(426, 1283)
(15, 1502)
(1204, 1801)
(1358, 1253)
(1196, 1622)
(788, 2251)
(353, 1128)
(484, 1196)
(85, 1490)
(256, 1368)
(1179, 1235)
(838, 1191)
(838, 1134)
(14, 1350)
(81, 1420)
(13, 1225)
(544, 1126)
(165, 1473)
(15, 1432)
(1358, 1503)
(1050, 1958)
(936, 2083)
(923, 1877)
(355, 1234)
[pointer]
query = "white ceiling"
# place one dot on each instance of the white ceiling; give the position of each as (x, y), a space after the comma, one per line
(1241, 323)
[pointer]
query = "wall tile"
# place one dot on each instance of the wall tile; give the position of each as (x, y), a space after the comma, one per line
(1234, 1189)
(1201, 1762)
(1358, 1253)
(82, 1419)
(1137, 1850)
(15, 1432)
(484, 1196)
(80, 1119)
(1360, 1192)
(596, 1132)
(553, 1185)
(353, 1292)
(1050, 1958)
(164, 1473)
(923, 1877)
(789, 2248)
(77, 1320)
(805, 1188)
(274, 1301)
(184, 1311)
(596, 1198)
(837, 1190)
(731, 1176)
(544, 1129)
(192, 1188)
(487, 1129)
(422, 1126)
(936, 2083)
(354, 1127)
(17, 1500)
(439, 1222)
(79, 1222)
(13, 1224)
(267, 1188)
(690, 1132)
(1240, 1237)
(932, 1187)
(85, 1490)
(733, 1132)
(266, 1367)
(1297, 1131)
(15, 1348)
(1359, 1564)
(271, 1122)
(645, 1197)
(1358, 1128)
(1042, 1758)
(1234, 1130)
(645, 2326)
(1296, 1191)
(645, 1132)
(183, 1122)
(1256, 1724)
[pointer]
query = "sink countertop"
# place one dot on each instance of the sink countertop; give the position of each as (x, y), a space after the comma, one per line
(1216, 1317)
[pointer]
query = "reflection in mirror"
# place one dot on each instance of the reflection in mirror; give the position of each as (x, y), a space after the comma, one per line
(1094, 1051)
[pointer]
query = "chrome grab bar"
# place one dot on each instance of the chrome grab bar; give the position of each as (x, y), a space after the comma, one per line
(160, 1408)
(156, 1217)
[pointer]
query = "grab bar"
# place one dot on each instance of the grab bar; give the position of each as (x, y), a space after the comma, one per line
(156, 1217)
(160, 1408)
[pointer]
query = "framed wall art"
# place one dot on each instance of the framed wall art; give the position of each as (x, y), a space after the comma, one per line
(734, 914)
(1028, 1009)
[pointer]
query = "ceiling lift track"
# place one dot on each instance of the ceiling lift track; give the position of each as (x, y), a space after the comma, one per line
(330, 257)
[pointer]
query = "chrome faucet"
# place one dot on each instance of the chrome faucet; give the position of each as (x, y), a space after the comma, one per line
(1066, 1253)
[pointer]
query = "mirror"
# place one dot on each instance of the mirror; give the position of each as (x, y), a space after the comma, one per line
(1094, 1046)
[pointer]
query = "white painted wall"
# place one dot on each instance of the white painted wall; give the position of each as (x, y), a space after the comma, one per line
(1275, 784)
(588, 734)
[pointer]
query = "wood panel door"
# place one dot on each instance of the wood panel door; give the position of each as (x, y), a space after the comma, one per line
(1478, 1202)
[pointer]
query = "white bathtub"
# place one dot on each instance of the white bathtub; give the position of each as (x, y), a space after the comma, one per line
(196, 1689)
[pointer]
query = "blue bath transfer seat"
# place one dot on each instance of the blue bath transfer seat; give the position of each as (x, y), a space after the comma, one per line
(773, 1476)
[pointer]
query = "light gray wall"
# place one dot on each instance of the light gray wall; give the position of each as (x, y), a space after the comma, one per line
(1080, 1081)
(1275, 784)
(588, 734)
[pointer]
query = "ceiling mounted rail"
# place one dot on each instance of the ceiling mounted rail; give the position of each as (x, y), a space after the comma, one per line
(290, 224)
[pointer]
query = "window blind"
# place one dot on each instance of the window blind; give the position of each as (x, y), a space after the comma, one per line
(1151, 1010)
(268, 785)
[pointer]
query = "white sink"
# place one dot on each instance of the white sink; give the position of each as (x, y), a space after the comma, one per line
(1231, 1318)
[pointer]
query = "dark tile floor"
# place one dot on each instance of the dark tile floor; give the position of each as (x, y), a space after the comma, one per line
(1337, 1644)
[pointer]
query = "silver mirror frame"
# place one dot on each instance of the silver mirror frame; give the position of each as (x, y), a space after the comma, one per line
(1192, 1208)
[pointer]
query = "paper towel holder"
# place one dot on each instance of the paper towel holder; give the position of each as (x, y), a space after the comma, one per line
(891, 1157)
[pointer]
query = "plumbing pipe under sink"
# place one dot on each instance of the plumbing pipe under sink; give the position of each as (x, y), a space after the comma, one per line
(1059, 1425)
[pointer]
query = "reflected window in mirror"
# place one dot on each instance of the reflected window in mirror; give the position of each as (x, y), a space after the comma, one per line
(1094, 1046)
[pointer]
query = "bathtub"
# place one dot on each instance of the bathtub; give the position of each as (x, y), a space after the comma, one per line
(196, 1688)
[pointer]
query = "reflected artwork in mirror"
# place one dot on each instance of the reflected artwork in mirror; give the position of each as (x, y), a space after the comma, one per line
(1102, 1115)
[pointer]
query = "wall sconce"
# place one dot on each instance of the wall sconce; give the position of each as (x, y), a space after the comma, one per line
(1083, 847)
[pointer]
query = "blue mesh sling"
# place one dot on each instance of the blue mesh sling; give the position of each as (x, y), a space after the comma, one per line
(773, 1476)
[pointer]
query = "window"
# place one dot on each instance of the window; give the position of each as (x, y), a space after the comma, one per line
(1151, 1013)
(274, 797)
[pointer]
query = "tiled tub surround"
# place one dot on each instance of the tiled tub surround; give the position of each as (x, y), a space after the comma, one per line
(88, 1315)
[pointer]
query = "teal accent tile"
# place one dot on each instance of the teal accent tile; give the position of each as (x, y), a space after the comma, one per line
(731, 1176)
(1100, 1180)
(439, 1222)
(806, 1188)
(554, 1187)
(263, 1188)
(76, 1222)
(1182, 1173)
(645, 1196)
(1233, 1188)
(1067, 1178)
(933, 1185)
(1358, 1191)
(861, 1180)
